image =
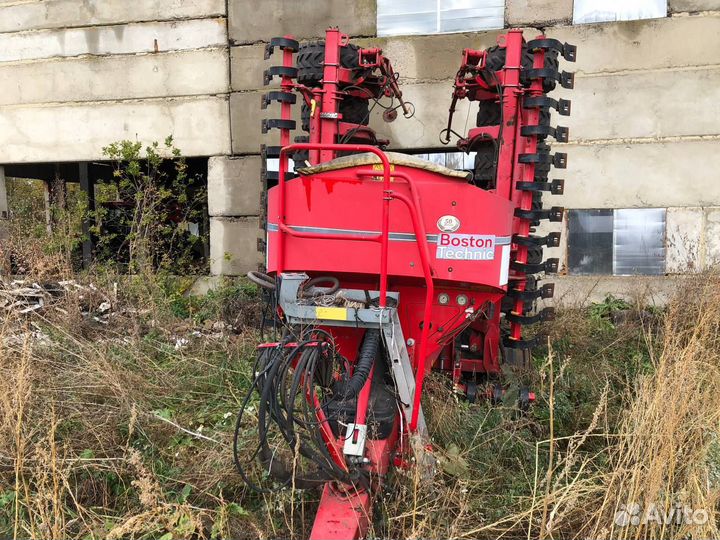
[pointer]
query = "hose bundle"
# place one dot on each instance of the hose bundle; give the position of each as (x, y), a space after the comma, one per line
(288, 379)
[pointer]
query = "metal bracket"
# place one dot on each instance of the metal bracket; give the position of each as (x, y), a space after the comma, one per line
(278, 71)
(558, 160)
(546, 314)
(551, 240)
(565, 78)
(550, 266)
(276, 123)
(280, 97)
(355, 438)
(269, 151)
(553, 214)
(568, 52)
(556, 187)
(562, 106)
(282, 43)
(560, 133)
(546, 291)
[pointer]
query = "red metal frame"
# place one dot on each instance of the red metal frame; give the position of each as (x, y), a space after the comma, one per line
(333, 213)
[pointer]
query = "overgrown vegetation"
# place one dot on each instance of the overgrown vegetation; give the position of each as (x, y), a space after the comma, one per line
(150, 224)
(150, 217)
(123, 430)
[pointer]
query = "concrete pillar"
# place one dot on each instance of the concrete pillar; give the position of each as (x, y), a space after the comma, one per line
(234, 205)
(55, 198)
(87, 185)
(4, 210)
(234, 186)
(234, 243)
(4, 216)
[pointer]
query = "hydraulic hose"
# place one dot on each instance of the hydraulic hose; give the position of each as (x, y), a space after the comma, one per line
(364, 364)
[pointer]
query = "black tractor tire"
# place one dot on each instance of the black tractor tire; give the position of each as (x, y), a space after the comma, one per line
(300, 157)
(535, 254)
(354, 110)
(542, 170)
(485, 165)
(551, 62)
(496, 61)
(489, 114)
(310, 61)
(529, 306)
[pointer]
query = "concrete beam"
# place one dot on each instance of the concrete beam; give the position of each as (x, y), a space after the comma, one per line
(151, 37)
(71, 13)
(259, 20)
(684, 245)
(656, 44)
(538, 13)
(234, 186)
(680, 6)
(640, 175)
(631, 105)
(198, 72)
(79, 132)
(580, 291)
(234, 245)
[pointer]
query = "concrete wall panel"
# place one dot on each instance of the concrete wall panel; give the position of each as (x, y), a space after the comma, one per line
(636, 104)
(247, 66)
(433, 57)
(115, 77)
(675, 42)
(259, 20)
(712, 238)
(684, 240)
(679, 6)
(245, 119)
(537, 12)
(640, 175)
(578, 291)
(125, 39)
(79, 132)
(72, 13)
(234, 245)
(431, 110)
(234, 186)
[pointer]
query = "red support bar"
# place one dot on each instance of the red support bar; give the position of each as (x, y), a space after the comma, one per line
(509, 105)
(429, 295)
(525, 172)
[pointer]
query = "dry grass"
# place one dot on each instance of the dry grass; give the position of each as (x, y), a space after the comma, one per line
(123, 430)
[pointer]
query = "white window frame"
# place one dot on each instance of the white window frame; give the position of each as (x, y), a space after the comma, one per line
(490, 12)
(596, 11)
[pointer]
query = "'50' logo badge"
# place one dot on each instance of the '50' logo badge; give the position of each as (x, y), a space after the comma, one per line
(448, 224)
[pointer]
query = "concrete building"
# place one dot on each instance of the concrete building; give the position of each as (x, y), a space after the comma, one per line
(642, 184)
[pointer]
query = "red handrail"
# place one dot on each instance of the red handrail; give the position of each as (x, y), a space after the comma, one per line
(382, 237)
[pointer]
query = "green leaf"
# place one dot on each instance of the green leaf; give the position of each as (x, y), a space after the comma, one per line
(185, 493)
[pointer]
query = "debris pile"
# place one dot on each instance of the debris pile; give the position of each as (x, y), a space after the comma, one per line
(21, 297)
